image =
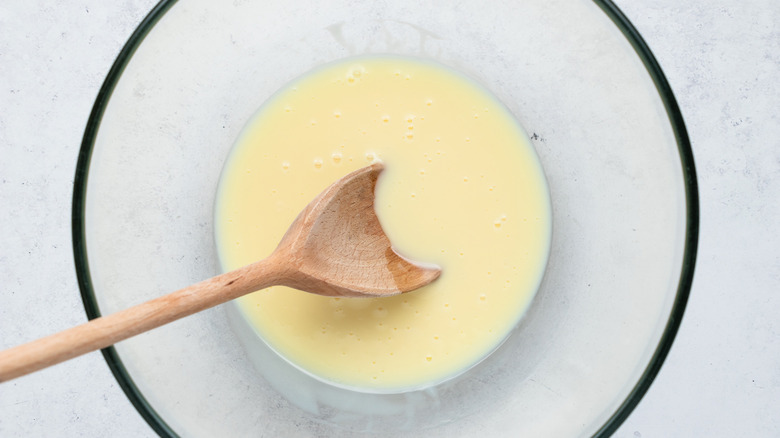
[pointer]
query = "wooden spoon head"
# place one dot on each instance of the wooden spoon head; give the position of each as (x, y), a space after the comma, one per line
(337, 247)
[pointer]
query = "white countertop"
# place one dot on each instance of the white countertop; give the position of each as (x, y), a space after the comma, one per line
(722, 59)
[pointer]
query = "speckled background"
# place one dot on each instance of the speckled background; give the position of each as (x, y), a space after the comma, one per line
(722, 59)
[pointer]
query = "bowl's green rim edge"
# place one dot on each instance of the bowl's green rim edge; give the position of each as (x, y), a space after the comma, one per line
(159, 425)
(692, 217)
(77, 215)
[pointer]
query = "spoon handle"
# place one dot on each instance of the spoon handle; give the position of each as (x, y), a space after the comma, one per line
(107, 330)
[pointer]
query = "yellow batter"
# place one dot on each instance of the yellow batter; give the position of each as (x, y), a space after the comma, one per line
(462, 188)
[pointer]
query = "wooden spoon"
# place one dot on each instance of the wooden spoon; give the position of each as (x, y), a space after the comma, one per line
(335, 247)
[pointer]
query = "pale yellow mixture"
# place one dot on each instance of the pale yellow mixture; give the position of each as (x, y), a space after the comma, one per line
(462, 188)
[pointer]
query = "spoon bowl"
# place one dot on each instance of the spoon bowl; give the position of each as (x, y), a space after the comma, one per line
(336, 245)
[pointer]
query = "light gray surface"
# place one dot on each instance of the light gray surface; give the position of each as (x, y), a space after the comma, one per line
(722, 377)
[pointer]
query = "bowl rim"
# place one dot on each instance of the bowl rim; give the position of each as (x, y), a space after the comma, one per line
(676, 121)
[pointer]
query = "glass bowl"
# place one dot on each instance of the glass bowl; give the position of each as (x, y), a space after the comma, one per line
(578, 78)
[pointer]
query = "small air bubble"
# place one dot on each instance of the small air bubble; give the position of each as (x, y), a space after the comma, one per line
(429, 358)
(285, 165)
(413, 195)
(465, 179)
(429, 102)
(468, 139)
(386, 119)
(313, 123)
(497, 224)
(482, 297)
(409, 136)
(370, 156)
(410, 127)
(337, 114)
(336, 157)
(318, 163)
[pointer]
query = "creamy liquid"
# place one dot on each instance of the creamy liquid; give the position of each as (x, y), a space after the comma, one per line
(462, 188)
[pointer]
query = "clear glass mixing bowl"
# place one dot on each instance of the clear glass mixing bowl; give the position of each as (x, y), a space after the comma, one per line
(578, 78)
